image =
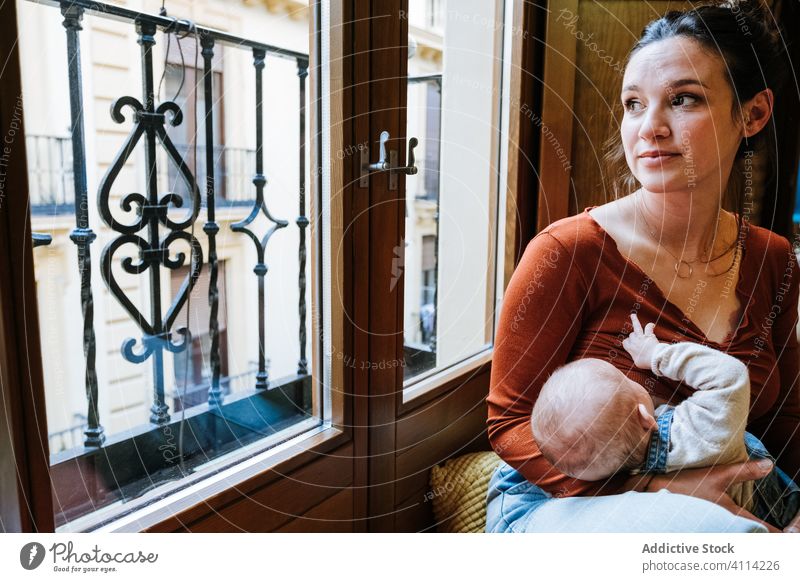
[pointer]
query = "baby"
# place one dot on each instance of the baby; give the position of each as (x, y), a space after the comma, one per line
(590, 421)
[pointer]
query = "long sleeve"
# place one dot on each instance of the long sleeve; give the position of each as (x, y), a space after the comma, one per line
(571, 297)
(779, 428)
(708, 427)
(542, 314)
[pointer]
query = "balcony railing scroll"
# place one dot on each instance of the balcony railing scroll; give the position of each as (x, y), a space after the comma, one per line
(153, 229)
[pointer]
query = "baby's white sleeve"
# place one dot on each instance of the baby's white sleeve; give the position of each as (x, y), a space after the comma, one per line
(708, 427)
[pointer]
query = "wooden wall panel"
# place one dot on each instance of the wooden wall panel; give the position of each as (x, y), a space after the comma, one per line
(464, 435)
(273, 506)
(603, 33)
(777, 209)
(413, 484)
(415, 515)
(523, 160)
(334, 515)
(413, 426)
(453, 425)
(556, 118)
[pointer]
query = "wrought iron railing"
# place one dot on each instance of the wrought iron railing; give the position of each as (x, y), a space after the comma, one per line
(152, 222)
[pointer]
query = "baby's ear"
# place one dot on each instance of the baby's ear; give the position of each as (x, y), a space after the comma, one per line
(646, 419)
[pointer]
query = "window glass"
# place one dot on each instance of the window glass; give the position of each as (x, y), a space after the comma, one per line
(174, 290)
(453, 105)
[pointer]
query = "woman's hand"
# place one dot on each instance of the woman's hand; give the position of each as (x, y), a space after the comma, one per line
(709, 483)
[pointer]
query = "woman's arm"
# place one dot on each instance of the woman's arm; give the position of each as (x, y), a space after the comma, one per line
(543, 312)
(779, 428)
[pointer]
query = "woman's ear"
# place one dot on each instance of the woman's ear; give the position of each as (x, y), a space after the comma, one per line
(757, 111)
(646, 419)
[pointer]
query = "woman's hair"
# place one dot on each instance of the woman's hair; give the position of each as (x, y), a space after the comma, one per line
(739, 32)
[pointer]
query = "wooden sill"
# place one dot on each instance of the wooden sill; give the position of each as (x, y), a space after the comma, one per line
(165, 512)
(445, 380)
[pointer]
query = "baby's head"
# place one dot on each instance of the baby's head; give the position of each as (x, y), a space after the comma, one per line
(591, 421)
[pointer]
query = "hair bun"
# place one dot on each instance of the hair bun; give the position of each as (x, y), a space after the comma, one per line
(749, 6)
(754, 17)
(752, 26)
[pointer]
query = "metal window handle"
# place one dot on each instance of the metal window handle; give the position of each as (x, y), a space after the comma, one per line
(411, 168)
(382, 164)
(387, 163)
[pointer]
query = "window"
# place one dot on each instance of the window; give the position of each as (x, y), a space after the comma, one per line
(427, 301)
(455, 87)
(50, 173)
(233, 164)
(140, 404)
(327, 425)
(433, 122)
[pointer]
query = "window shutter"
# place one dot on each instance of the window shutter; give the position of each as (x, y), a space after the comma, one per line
(187, 47)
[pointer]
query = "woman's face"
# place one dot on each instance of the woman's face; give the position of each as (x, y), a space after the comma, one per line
(678, 131)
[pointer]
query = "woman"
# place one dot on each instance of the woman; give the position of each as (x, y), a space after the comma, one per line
(696, 94)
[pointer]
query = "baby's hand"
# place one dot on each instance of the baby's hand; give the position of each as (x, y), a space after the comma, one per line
(641, 343)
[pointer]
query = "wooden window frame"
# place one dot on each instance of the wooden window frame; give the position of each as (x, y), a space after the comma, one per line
(269, 468)
(25, 502)
(514, 219)
(25, 493)
(369, 420)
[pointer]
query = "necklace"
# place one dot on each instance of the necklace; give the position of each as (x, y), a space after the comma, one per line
(683, 267)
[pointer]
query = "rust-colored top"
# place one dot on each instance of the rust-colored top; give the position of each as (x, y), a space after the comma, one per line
(571, 297)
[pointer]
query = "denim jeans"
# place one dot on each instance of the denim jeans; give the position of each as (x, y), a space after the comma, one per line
(777, 497)
(515, 505)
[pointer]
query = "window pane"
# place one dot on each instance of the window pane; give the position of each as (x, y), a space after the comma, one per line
(188, 334)
(453, 109)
